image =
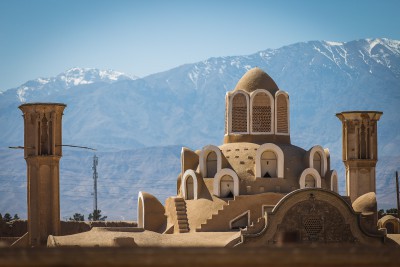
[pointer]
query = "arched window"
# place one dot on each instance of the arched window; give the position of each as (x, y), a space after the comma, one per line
(310, 178)
(239, 113)
(226, 113)
(190, 185)
(226, 186)
(211, 164)
(334, 182)
(226, 183)
(268, 164)
(318, 160)
(317, 163)
(210, 161)
(189, 188)
(282, 112)
(310, 181)
(269, 161)
(261, 113)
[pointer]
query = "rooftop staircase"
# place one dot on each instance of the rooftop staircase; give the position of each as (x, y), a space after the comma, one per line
(181, 224)
(219, 221)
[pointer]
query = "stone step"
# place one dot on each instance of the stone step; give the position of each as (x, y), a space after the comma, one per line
(183, 230)
(182, 217)
(180, 222)
(181, 212)
(179, 199)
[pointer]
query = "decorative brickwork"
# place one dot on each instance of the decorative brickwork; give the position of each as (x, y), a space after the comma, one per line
(226, 117)
(282, 115)
(261, 116)
(239, 114)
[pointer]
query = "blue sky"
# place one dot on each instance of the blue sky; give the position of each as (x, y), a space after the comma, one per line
(42, 38)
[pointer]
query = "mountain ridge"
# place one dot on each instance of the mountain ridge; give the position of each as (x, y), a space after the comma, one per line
(185, 105)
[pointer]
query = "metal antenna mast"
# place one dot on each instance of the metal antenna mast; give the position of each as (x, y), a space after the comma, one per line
(397, 194)
(95, 176)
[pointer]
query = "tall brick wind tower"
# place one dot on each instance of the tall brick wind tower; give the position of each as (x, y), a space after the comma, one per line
(43, 150)
(360, 150)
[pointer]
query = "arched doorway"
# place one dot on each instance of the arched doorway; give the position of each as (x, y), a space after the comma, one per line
(226, 187)
(211, 164)
(189, 188)
(268, 164)
(310, 181)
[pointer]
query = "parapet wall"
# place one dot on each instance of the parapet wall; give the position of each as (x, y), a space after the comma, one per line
(18, 228)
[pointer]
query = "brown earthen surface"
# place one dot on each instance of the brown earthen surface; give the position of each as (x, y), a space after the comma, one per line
(193, 257)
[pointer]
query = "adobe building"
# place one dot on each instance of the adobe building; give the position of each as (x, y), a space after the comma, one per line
(258, 189)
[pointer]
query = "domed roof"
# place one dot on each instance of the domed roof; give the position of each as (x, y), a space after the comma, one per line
(254, 79)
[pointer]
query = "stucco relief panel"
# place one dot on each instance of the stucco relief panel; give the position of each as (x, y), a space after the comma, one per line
(316, 221)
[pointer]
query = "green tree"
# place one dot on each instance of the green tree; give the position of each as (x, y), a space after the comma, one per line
(1, 217)
(16, 217)
(381, 213)
(77, 217)
(392, 211)
(7, 217)
(96, 216)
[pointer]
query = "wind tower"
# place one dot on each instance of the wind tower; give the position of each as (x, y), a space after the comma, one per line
(42, 152)
(360, 150)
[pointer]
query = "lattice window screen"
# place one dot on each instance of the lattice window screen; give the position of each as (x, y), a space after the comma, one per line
(239, 114)
(261, 119)
(282, 115)
(226, 117)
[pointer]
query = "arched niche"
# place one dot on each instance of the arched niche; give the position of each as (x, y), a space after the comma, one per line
(269, 164)
(226, 177)
(317, 160)
(261, 112)
(239, 113)
(282, 113)
(334, 182)
(261, 164)
(307, 175)
(210, 161)
(190, 185)
(140, 211)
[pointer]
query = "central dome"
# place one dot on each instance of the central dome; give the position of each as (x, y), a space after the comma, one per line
(255, 79)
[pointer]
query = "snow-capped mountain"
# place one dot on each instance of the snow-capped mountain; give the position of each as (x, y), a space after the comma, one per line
(185, 106)
(68, 79)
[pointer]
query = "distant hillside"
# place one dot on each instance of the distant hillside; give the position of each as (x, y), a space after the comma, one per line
(185, 105)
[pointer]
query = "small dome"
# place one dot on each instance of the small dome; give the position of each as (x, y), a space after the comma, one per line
(366, 204)
(254, 79)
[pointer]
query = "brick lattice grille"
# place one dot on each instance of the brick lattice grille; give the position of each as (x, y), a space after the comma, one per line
(239, 114)
(282, 115)
(313, 227)
(261, 116)
(226, 118)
